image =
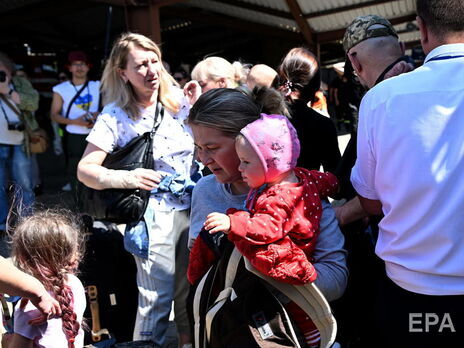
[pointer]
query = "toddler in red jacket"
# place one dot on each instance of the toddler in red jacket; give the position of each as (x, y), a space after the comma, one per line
(278, 228)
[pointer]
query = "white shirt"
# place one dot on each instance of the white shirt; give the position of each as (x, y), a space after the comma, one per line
(50, 334)
(9, 137)
(411, 158)
(172, 145)
(86, 101)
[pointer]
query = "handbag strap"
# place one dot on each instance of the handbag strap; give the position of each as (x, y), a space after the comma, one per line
(12, 106)
(75, 97)
(159, 110)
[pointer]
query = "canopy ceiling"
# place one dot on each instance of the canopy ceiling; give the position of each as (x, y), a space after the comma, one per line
(253, 30)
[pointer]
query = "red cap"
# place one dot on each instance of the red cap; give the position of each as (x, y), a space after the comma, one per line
(75, 56)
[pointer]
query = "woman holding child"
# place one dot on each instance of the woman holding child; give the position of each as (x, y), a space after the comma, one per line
(216, 119)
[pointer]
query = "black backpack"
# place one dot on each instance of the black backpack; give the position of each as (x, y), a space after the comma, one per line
(233, 305)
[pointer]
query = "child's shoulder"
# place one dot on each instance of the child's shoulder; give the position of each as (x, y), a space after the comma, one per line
(78, 290)
(74, 281)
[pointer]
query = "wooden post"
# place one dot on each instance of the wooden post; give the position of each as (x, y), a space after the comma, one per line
(302, 23)
(154, 21)
(145, 20)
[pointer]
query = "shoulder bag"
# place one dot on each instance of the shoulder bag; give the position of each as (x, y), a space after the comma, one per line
(122, 205)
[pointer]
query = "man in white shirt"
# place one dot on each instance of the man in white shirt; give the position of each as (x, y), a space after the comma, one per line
(409, 168)
(75, 105)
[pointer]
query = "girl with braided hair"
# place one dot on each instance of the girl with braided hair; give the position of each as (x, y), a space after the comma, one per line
(48, 245)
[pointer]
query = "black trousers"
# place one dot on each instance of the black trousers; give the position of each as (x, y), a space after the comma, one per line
(75, 146)
(410, 320)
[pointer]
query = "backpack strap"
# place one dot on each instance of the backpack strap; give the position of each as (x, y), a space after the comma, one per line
(227, 292)
(311, 300)
(196, 309)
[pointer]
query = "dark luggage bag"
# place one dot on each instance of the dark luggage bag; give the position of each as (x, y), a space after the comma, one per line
(108, 273)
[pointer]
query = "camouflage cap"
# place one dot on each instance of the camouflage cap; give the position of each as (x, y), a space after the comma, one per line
(359, 30)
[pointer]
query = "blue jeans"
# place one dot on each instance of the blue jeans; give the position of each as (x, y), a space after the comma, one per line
(157, 280)
(15, 167)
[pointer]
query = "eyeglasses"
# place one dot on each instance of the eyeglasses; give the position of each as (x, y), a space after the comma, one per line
(79, 65)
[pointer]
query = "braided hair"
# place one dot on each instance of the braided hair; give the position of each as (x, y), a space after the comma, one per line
(49, 246)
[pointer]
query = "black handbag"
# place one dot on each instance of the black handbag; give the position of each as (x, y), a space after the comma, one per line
(122, 205)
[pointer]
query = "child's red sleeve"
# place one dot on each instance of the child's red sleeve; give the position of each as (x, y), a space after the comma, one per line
(267, 224)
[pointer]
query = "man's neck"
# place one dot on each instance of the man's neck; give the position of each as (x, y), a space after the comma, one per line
(434, 41)
(381, 74)
(78, 80)
(379, 68)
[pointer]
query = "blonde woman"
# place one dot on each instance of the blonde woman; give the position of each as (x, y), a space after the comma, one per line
(214, 72)
(133, 82)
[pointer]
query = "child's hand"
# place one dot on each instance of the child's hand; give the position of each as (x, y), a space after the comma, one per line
(217, 222)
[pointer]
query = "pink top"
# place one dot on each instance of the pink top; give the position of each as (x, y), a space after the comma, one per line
(50, 334)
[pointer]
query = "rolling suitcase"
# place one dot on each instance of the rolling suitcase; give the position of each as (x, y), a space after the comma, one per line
(108, 273)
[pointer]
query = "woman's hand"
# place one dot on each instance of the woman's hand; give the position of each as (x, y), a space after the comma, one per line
(217, 222)
(141, 178)
(146, 179)
(47, 305)
(192, 91)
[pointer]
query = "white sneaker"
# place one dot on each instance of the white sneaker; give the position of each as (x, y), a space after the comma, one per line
(67, 187)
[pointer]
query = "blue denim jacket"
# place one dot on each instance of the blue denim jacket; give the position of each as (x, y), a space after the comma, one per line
(136, 235)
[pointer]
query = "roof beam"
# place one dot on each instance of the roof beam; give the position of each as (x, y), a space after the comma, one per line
(258, 8)
(346, 8)
(161, 3)
(194, 13)
(123, 3)
(302, 23)
(334, 35)
(113, 2)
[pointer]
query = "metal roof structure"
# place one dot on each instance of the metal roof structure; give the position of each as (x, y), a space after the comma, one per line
(323, 17)
(196, 28)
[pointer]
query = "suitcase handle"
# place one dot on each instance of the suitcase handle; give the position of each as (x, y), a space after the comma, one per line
(96, 331)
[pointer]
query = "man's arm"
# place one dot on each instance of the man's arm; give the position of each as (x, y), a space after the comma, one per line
(350, 211)
(371, 206)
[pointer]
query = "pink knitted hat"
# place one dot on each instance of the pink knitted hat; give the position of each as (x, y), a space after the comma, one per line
(275, 141)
